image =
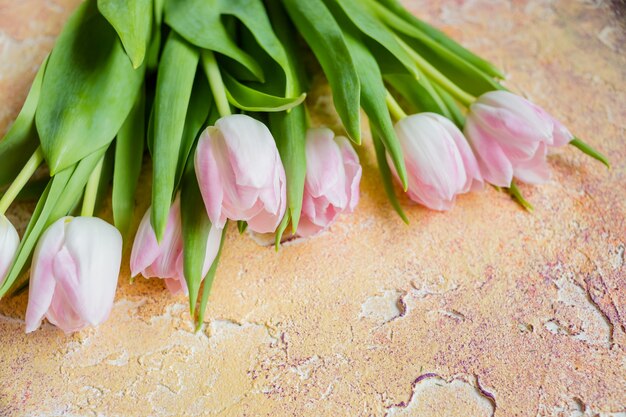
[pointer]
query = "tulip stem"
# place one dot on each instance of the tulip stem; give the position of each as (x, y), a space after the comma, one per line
(433, 73)
(216, 82)
(396, 111)
(16, 186)
(91, 191)
(588, 150)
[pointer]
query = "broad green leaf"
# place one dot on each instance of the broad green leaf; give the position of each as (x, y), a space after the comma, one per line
(88, 90)
(200, 106)
(193, 18)
(289, 130)
(154, 48)
(132, 20)
(21, 140)
(387, 177)
(208, 282)
(457, 69)
(248, 99)
(196, 228)
(367, 23)
(323, 34)
(442, 39)
(175, 80)
(373, 95)
(129, 147)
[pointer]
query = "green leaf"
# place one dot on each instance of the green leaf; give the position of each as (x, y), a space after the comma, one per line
(21, 140)
(248, 99)
(175, 80)
(129, 148)
(191, 18)
(208, 282)
(457, 69)
(367, 23)
(445, 41)
(88, 90)
(589, 151)
(200, 106)
(132, 20)
(322, 33)
(289, 130)
(196, 228)
(387, 177)
(373, 95)
(154, 48)
(455, 112)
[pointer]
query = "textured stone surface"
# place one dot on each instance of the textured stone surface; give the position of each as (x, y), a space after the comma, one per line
(486, 310)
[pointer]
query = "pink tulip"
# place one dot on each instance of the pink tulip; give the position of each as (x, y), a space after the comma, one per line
(240, 174)
(165, 261)
(333, 175)
(74, 274)
(511, 136)
(439, 161)
(9, 242)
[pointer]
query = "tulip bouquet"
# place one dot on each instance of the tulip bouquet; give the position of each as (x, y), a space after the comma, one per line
(213, 91)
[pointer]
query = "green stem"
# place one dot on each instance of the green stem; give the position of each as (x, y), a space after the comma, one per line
(396, 111)
(216, 82)
(16, 186)
(91, 190)
(588, 150)
(434, 74)
(517, 195)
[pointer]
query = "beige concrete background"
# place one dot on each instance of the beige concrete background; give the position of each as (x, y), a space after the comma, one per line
(486, 310)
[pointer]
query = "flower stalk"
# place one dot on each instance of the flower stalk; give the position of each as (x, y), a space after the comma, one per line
(18, 184)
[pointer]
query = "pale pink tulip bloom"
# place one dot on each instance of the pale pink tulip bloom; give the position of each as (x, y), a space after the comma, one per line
(240, 174)
(9, 242)
(439, 161)
(74, 274)
(333, 175)
(511, 136)
(165, 260)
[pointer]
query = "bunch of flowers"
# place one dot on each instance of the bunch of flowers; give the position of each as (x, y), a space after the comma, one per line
(214, 92)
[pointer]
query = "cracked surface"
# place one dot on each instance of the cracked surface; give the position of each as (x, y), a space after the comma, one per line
(486, 308)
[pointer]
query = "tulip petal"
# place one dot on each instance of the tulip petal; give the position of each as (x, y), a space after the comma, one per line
(42, 283)
(209, 177)
(535, 171)
(96, 247)
(494, 165)
(9, 242)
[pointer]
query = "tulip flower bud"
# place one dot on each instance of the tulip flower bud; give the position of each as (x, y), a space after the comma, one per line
(240, 174)
(74, 274)
(165, 260)
(439, 161)
(333, 175)
(511, 136)
(9, 241)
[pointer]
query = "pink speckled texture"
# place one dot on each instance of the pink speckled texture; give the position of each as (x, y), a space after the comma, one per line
(486, 310)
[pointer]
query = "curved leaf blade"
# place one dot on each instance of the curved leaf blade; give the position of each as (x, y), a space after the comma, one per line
(129, 147)
(248, 99)
(322, 33)
(132, 20)
(21, 140)
(175, 79)
(88, 90)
